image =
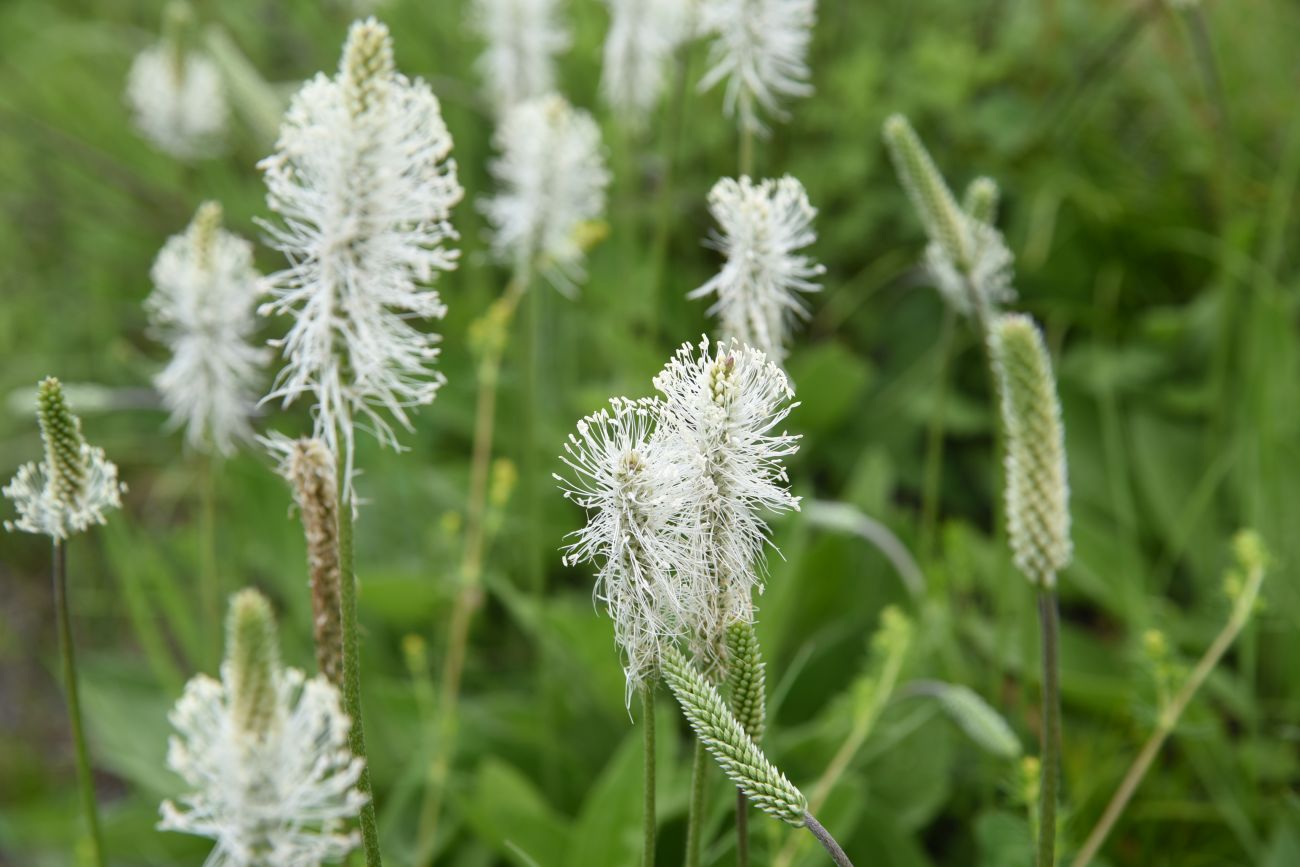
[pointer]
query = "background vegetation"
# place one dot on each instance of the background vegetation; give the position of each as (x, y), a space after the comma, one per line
(1149, 162)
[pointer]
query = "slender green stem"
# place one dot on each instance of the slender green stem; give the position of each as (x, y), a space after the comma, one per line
(1050, 780)
(828, 842)
(742, 829)
(209, 578)
(531, 357)
(695, 815)
(85, 781)
(649, 814)
(352, 673)
(933, 473)
(1169, 717)
(746, 164)
(470, 595)
(674, 123)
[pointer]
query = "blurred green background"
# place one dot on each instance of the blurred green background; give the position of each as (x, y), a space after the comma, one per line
(1149, 162)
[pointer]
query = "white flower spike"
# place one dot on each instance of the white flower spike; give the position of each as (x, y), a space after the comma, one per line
(364, 187)
(553, 177)
(523, 38)
(638, 532)
(643, 34)
(265, 753)
(175, 94)
(760, 47)
(720, 408)
(758, 290)
(74, 487)
(202, 307)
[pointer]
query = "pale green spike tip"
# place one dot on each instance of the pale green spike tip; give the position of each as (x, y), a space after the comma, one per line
(61, 433)
(367, 64)
(944, 222)
(981, 200)
(252, 662)
(1037, 488)
(724, 737)
(747, 681)
(204, 229)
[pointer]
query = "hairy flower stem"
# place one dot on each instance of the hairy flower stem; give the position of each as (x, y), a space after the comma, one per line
(649, 813)
(209, 578)
(746, 162)
(933, 473)
(1168, 720)
(695, 815)
(85, 780)
(352, 671)
(828, 842)
(1050, 779)
(470, 595)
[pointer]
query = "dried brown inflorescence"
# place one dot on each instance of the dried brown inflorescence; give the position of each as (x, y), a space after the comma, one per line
(309, 467)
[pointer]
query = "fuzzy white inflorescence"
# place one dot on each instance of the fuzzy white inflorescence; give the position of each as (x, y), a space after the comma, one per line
(202, 306)
(638, 499)
(73, 487)
(720, 409)
(758, 289)
(178, 101)
(642, 37)
(523, 37)
(553, 177)
(41, 511)
(278, 798)
(364, 187)
(760, 48)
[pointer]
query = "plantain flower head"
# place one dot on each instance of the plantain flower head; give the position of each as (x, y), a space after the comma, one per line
(721, 408)
(763, 225)
(176, 95)
(364, 186)
(523, 38)
(1038, 491)
(264, 752)
(643, 34)
(202, 307)
(552, 179)
(638, 532)
(759, 48)
(966, 256)
(74, 486)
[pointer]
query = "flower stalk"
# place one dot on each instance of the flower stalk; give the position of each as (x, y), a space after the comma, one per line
(85, 777)
(352, 675)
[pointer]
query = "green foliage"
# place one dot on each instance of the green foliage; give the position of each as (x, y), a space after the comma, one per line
(1152, 216)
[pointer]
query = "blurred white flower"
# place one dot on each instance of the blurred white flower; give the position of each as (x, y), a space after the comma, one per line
(202, 306)
(642, 37)
(720, 408)
(639, 532)
(552, 177)
(966, 256)
(73, 487)
(758, 288)
(178, 101)
(364, 187)
(759, 47)
(523, 37)
(265, 752)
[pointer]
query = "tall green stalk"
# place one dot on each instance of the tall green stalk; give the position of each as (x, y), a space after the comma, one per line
(352, 672)
(649, 814)
(209, 578)
(933, 472)
(695, 813)
(1050, 769)
(85, 779)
